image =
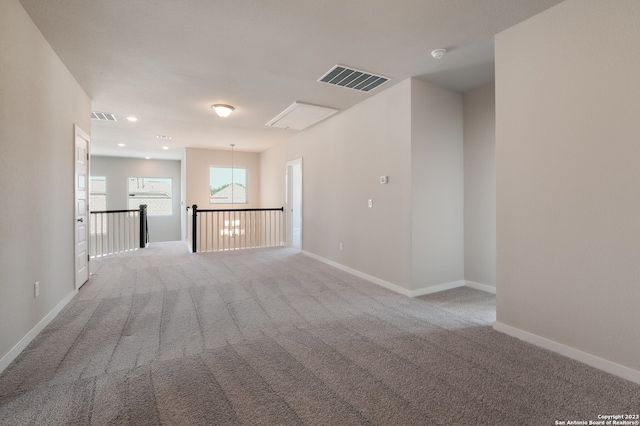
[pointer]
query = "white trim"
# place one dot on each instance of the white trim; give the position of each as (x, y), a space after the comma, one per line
(586, 358)
(24, 342)
(578, 355)
(437, 288)
(481, 287)
(289, 189)
(81, 278)
(382, 283)
(386, 284)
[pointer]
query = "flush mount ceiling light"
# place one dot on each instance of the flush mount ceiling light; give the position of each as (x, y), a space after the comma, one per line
(132, 118)
(222, 110)
(438, 53)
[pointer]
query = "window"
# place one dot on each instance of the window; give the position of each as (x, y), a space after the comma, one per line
(97, 193)
(156, 193)
(227, 185)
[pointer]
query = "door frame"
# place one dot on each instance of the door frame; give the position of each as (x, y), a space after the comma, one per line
(81, 273)
(293, 201)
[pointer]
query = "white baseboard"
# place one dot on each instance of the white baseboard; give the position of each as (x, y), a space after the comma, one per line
(386, 284)
(584, 357)
(375, 280)
(481, 287)
(437, 288)
(24, 342)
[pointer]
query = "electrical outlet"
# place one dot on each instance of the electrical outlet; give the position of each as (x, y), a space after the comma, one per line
(341, 246)
(36, 289)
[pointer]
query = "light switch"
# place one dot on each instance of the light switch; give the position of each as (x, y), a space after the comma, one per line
(370, 203)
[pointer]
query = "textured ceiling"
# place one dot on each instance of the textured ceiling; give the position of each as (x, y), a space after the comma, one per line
(167, 61)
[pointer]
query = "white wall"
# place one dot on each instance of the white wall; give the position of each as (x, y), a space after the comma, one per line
(198, 161)
(273, 176)
(343, 158)
(568, 181)
(437, 186)
(412, 238)
(480, 186)
(117, 171)
(39, 104)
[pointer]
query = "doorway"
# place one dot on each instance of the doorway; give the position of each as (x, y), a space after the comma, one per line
(294, 203)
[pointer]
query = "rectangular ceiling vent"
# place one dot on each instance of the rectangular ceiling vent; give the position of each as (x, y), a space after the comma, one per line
(103, 116)
(352, 78)
(299, 116)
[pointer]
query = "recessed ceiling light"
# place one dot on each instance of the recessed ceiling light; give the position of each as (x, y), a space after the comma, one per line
(163, 137)
(132, 118)
(147, 158)
(165, 147)
(121, 144)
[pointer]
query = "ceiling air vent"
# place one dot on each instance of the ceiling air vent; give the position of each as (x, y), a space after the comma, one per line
(299, 116)
(352, 78)
(103, 116)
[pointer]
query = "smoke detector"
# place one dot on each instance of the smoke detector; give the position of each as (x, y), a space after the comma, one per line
(438, 53)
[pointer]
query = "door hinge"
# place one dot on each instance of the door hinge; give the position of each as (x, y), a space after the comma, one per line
(88, 257)
(87, 156)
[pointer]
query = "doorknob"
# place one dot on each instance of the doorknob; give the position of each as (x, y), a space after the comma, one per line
(80, 220)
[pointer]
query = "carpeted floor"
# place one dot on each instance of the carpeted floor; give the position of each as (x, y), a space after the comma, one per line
(273, 337)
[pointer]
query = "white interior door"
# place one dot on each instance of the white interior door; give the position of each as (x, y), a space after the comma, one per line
(294, 203)
(81, 206)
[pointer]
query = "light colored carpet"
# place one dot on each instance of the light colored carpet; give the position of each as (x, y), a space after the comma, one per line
(272, 337)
